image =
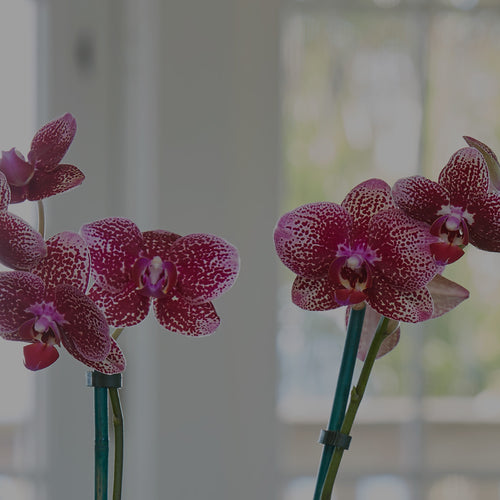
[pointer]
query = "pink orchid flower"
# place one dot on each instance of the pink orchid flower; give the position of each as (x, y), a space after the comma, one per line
(363, 250)
(48, 307)
(446, 295)
(42, 175)
(179, 275)
(21, 246)
(460, 207)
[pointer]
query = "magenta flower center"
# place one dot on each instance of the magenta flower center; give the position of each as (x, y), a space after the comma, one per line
(44, 326)
(154, 277)
(352, 273)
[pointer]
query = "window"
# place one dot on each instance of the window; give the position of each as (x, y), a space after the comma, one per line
(387, 89)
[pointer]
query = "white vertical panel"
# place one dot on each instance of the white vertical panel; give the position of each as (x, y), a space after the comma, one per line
(178, 124)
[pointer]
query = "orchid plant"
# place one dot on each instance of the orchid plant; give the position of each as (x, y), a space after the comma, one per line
(68, 290)
(381, 253)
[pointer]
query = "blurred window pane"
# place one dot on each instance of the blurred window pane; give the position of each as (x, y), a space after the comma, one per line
(387, 89)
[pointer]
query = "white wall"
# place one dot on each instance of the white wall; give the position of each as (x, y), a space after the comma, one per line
(178, 127)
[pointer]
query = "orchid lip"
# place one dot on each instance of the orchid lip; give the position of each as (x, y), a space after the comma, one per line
(154, 277)
(351, 272)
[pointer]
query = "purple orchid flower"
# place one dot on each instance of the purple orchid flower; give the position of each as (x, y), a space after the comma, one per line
(363, 250)
(21, 246)
(48, 307)
(461, 208)
(42, 175)
(446, 295)
(179, 275)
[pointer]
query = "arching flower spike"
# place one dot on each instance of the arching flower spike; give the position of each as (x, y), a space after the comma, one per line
(48, 308)
(460, 207)
(21, 246)
(362, 250)
(42, 175)
(179, 275)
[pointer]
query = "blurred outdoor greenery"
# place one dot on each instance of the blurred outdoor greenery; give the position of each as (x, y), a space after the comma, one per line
(389, 93)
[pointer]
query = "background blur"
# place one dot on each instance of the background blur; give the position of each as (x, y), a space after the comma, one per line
(217, 117)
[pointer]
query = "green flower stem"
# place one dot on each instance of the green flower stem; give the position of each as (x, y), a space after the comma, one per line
(356, 397)
(101, 449)
(342, 390)
(41, 218)
(118, 428)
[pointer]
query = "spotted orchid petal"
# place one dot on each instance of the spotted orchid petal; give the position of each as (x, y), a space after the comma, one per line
(446, 295)
(21, 247)
(307, 238)
(18, 290)
(370, 323)
(314, 294)
(67, 261)
(401, 305)
(158, 243)
(420, 197)
(206, 265)
(52, 141)
(124, 308)
(114, 363)
(402, 244)
(464, 176)
(491, 161)
(47, 183)
(85, 328)
(485, 230)
(364, 201)
(180, 316)
(114, 246)
(4, 192)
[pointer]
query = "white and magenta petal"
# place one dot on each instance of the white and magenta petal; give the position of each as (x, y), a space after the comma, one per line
(314, 294)
(307, 238)
(114, 245)
(124, 308)
(51, 142)
(18, 291)
(446, 295)
(180, 316)
(464, 176)
(484, 232)
(21, 247)
(158, 243)
(114, 363)
(364, 201)
(206, 265)
(84, 327)
(47, 183)
(401, 305)
(420, 197)
(4, 192)
(67, 261)
(402, 247)
(491, 161)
